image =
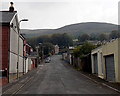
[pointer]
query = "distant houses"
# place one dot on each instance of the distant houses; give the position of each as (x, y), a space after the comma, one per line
(30, 58)
(16, 53)
(56, 49)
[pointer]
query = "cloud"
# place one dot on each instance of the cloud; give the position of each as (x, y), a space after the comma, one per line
(57, 13)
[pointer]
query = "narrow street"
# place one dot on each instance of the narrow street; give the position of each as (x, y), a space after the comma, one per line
(57, 77)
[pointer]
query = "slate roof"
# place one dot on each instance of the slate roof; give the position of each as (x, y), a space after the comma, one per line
(6, 16)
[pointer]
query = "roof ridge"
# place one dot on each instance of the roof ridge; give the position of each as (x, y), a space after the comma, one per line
(8, 11)
(7, 16)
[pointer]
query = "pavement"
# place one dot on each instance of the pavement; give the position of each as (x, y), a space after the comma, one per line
(112, 85)
(13, 87)
(57, 77)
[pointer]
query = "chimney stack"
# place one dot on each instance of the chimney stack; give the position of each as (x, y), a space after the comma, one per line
(11, 8)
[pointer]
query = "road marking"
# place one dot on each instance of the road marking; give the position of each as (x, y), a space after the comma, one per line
(18, 88)
(21, 87)
(40, 65)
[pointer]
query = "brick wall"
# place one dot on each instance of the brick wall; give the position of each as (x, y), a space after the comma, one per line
(24, 48)
(3, 81)
(28, 49)
(5, 51)
(5, 46)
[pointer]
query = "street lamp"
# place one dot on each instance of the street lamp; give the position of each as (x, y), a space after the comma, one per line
(18, 45)
(23, 20)
(41, 47)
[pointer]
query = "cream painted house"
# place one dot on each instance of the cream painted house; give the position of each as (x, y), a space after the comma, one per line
(16, 49)
(106, 62)
(97, 62)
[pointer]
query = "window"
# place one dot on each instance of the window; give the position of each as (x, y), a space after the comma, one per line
(3, 73)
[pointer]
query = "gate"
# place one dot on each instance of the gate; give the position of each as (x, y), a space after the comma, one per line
(95, 64)
(110, 68)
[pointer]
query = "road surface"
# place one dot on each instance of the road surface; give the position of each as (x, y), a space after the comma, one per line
(57, 77)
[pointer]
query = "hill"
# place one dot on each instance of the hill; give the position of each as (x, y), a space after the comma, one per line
(74, 29)
(35, 33)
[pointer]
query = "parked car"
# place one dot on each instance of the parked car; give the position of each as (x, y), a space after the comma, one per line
(47, 60)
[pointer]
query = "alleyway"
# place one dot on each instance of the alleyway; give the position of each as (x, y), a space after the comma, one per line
(57, 77)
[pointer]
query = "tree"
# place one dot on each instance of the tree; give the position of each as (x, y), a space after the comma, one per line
(102, 37)
(47, 48)
(56, 39)
(83, 37)
(77, 51)
(114, 34)
(87, 48)
(83, 50)
(61, 40)
(93, 36)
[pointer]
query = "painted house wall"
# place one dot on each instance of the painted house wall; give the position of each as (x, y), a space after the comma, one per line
(21, 42)
(13, 63)
(110, 48)
(0, 47)
(21, 63)
(14, 38)
(13, 47)
(98, 51)
(118, 66)
(26, 65)
(29, 64)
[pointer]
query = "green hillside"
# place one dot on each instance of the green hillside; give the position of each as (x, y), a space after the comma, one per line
(73, 29)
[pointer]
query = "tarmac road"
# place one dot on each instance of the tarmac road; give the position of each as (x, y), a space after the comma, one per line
(57, 77)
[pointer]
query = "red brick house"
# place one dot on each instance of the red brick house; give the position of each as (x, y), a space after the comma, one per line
(5, 25)
(30, 61)
(14, 50)
(11, 50)
(27, 61)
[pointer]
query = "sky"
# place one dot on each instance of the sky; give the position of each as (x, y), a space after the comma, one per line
(52, 14)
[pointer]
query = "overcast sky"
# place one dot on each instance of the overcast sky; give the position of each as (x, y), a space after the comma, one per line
(53, 14)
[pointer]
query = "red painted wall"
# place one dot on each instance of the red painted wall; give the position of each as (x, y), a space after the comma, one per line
(24, 48)
(3, 81)
(5, 51)
(28, 49)
(5, 46)
(33, 65)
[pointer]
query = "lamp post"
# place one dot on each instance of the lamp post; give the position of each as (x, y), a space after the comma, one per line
(18, 46)
(22, 20)
(41, 47)
(37, 50)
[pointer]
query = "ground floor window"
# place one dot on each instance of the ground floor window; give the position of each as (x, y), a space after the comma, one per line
(3, 73)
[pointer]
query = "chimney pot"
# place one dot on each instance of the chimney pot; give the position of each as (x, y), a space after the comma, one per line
(11, 8)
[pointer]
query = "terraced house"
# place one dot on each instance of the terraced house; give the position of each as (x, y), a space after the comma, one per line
(12, 46)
